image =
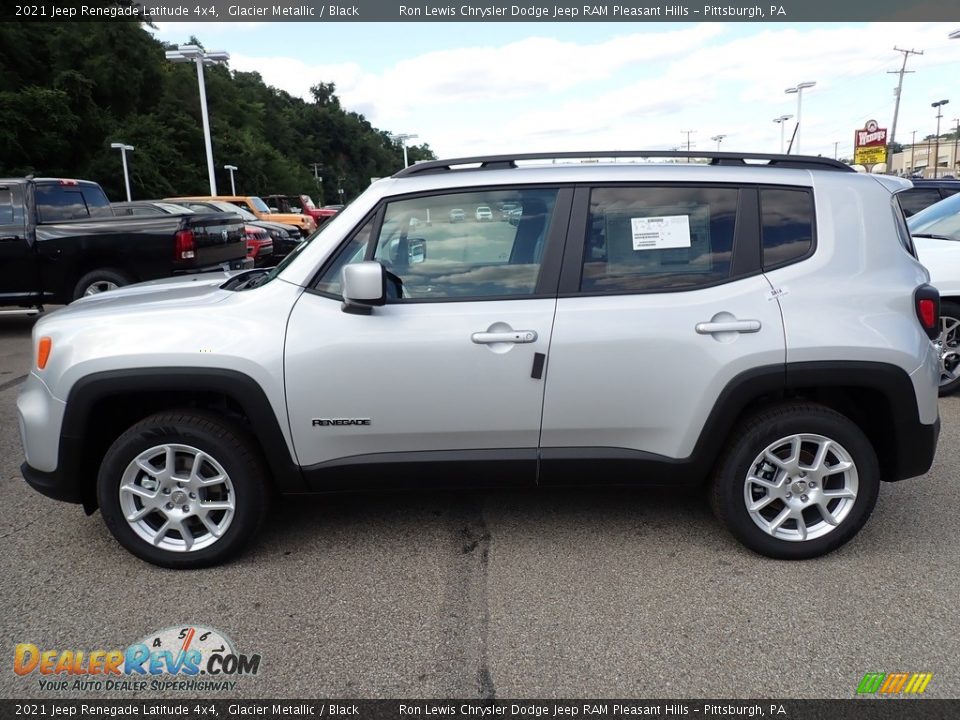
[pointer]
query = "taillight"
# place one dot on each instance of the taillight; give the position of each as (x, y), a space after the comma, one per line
(184, 247)
(927, 304)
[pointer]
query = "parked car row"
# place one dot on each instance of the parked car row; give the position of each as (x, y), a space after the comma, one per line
(60, 239)
(267, 242)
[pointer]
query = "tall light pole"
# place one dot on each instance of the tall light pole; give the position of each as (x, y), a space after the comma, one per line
(124, 149)
(199, 56)
(936, 147)
(799, 92)
(781, 122)
(719, 139)
(403, 137)
(231, 168)
(955, 138)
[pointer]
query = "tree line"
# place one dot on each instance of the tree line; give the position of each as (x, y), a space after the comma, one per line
(68, 90)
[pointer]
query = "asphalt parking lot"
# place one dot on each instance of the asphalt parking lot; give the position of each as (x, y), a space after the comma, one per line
(506, 594)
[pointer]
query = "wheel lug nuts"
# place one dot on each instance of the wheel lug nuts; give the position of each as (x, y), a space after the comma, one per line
(166, 491)
(186, 508)
(812, 484)
(789, 495)
(803, 497)
(193, 496)
(169, 506)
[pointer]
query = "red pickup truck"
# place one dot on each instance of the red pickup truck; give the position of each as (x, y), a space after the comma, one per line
(299, 204)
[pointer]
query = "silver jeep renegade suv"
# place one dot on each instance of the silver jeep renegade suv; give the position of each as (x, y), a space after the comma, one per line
(757, 324)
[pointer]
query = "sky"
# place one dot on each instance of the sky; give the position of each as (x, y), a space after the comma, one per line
(500, 87)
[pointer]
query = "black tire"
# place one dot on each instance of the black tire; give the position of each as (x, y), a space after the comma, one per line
(950, 313)
(730, 488)
(229, 445)
(101, 277)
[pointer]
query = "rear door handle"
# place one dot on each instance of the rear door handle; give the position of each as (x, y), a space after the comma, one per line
(512, 336)
(741, 326)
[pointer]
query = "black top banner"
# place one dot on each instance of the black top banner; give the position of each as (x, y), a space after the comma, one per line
(625, 11)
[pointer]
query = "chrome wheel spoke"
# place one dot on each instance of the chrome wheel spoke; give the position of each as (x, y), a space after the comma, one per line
(210, 506)
(826, 514)
(161, 532)
(140, 492)
(761, 503)
(768, 484)
(780, 520)
(801, 525)
(210, 525)
(844, 493)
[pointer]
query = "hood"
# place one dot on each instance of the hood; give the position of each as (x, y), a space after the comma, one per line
(942, 259)
(284, 228)
(288, 218)
(200, 289)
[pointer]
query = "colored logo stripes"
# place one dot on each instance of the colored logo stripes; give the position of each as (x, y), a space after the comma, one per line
(894, 683)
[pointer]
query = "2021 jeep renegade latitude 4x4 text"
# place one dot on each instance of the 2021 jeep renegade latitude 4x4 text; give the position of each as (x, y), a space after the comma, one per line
(759, 324)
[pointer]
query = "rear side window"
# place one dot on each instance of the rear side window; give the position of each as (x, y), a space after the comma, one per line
(787, 225)
(650, 238)
(916, 199)
(56, 203)
(11, 206)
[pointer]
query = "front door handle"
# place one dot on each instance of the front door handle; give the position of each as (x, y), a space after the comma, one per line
(741, 326)
(511, 336)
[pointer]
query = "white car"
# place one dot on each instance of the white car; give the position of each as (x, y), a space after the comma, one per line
(936, 235)
(484, 214)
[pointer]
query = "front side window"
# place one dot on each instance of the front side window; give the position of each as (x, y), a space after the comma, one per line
(354, 251)
(435, 251)
(649, 238)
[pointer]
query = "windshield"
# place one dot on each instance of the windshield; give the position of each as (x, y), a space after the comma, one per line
(174, 209)
(259, 204)
(223, 206)
(941, 219)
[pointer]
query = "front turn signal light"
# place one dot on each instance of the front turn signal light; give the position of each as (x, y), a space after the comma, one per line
(43, 351)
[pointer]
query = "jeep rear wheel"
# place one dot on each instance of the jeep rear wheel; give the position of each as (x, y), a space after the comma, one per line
(799, 482)
(183, 489)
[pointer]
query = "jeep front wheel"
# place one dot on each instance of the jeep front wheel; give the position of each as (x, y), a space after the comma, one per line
(799, 481)
(183, 489)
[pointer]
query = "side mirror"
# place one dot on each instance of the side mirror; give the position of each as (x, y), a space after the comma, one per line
(364, 286)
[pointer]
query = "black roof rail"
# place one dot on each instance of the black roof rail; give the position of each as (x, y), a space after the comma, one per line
(501, 162)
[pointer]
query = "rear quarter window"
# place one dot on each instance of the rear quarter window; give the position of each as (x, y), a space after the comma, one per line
(787, 225)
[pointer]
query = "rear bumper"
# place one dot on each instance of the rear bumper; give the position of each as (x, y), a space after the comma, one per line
(917, 446)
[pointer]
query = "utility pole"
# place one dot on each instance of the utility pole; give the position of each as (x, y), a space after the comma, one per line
(896, 106)
(955, 138)
(835, 149)
(688, 133)
(913, 141)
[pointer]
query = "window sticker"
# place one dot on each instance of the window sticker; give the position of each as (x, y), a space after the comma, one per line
(660, 232)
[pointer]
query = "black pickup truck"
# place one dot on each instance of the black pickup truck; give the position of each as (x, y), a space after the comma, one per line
(60, 240)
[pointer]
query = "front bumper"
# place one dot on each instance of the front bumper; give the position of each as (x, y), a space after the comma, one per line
(51, 484)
